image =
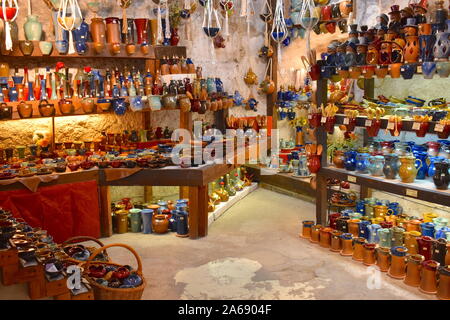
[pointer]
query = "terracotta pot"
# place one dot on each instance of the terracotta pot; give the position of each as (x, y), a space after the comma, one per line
(338, 159)
(413, 268)
(398, 263)
(383, 257)
(353, 227)
(428, 282)
(66, 107)
(336, 245)
(443, 290)
(369, 254)
(355, 72)
(88, 105)
(412, 49)
(130, 49)
(358, 248)
(347, 244)
(306, 230)
(381, 72)
(315, 233)
(394, 70)
(325, 237)
(410, 240)
(113, 34)
(160, 223)
(25, 110)
(114, 48)
(98, 30)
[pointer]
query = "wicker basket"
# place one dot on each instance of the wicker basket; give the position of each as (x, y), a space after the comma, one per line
(106, 293)
(79, 239)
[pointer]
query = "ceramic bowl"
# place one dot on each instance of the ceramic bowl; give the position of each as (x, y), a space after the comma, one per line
(46, 47)
(104, 104)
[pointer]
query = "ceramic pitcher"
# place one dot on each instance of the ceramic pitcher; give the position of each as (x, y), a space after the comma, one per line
(362, 162)
(423, 168)
(385, 236)
(390, 168)
(373, 233)
(427, 229)
(408, 170)
(376, 165)
(441, 177)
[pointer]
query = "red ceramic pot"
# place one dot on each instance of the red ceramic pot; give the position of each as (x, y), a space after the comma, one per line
(314, 119)
(425, 244)
(445, 132)
(386, 224)
(329, 124)
(333, 218)
(10, 13)
(424, 126)
(73, 166)
(374, 128)
(331, 27)
(314, 73)
(141, 30)
(121, 273)
(195, 105)
(314, 163)
(97, 271)
(326, 13)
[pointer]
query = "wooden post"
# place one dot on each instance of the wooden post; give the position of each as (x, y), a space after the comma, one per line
(105, 211)
(321, 199)
(321, 134)
(184, 192)
(198, 212)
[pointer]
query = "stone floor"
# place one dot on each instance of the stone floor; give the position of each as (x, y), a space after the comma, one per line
(252, 252)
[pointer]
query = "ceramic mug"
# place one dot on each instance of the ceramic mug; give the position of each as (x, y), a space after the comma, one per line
(408, 70)
(46, 47)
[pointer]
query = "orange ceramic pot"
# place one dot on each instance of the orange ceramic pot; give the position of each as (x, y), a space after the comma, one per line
(394, 70)
(413, 267)
(443, 290)
(410, 240)
(413, 225)
(398, 263)
(381, 72)
(412, 50)
(315, 233)
(347, 244)
(353, 227)
(383, 256)
(325, 237)
(368, 72)
(355, 72)
(160, 223)
(336, 245)
(306, 230)
(428, 282)
(345, 7)
(425, 29)
(358, 249)
(369, 254)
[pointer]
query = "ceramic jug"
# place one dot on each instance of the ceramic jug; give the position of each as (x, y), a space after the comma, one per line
(383, 257)
(385, 236)
(135, 220)
(341, 224)
(431, 167)
(182, 224)
(347, 244)
(350, 160)
(439, 250)
(362, 162)
(353, 227)
(398, 236)
(423, 169)
(315, 233)
(336, 245)
(408, 170)
(358, 248)
(390, 168)
(376, 165)
(373, 233)
(333, 218)
(440, 222)
(397, 269)
(306, 230)
(410, 241)
(443, 290)
(427, 229)
(363, 229)
(428, 279)
(369, 254)
(441, 177)
(325, 237)
(381, 211)
(413, 268)
(425, 245)
(147, 216)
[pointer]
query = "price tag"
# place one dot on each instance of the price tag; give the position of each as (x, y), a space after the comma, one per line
(391, 126)
(368, 123)
(364, 71)
(416, 126)
(346, 120)
(323, 120)
(309, 116)
(351, 179)
(439, 127)
(411, 193)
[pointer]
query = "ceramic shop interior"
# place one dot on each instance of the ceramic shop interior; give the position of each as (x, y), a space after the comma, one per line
(341, 119)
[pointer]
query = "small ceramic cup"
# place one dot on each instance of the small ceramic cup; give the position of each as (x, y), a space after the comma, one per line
(443, 68)
(428, 69)
(45, 47)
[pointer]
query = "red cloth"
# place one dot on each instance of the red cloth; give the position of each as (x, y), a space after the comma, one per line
(65, 210)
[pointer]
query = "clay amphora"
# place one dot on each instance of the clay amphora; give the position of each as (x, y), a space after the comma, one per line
(383, 257)
(398, 262)
(413, 268)
(428, 282)
(358, 248)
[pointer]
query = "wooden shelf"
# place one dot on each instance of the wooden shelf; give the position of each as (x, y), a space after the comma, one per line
(155, 52)
(421, 189)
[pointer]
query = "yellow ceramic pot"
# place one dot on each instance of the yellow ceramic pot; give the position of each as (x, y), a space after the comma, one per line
(408, 170)
(410, 241)
(429, 216)
(381, 211)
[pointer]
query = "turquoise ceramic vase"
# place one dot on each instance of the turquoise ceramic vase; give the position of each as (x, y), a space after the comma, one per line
(33, 28)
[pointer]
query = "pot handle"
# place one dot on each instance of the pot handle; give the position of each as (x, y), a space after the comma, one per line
(42, 102)
(99, 250)
(421, 164)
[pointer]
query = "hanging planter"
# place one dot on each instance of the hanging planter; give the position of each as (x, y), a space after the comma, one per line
(8, 13)
(279, 29)
(69, 18)
(211, 25)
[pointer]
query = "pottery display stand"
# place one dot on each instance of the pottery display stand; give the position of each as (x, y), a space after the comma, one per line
(420, 189)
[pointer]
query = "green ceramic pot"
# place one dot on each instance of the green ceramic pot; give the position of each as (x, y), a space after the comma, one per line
(443, 68)
(46, 47)
(33, 28)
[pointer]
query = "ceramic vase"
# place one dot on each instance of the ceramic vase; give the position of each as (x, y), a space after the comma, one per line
(147, 215)
(441, 177)
(442, 45)
(142, 30)
(427, 43)
(33, 28)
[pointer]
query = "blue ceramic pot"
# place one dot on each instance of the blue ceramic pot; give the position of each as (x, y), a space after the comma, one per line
(147, 215)
(182, 223)
(408, 70)
(396, 208)
(361, 207)
(431, 167)
(119, 106)
(428, 69)
(81, 47)
(427, 229)
(422, 164)
(350, 160)
(136, 103)
(362, 162)
(426, 43)
(62, 46)
(363, 229)
(442, 233)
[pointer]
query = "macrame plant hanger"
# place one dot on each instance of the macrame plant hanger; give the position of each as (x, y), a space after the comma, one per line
(11, 4)
(64, 19)
(308, 20)
(159, 32)
(266, 16)
(227, 5)
(167, 33)
(279, 28)
(211, 26)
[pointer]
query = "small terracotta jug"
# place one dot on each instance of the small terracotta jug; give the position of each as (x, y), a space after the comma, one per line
(398, 262)
(325, 237)
(413, 268)
(428, 282)
(383, 256)
(306, 230)
(443, 290)
(347, 244)
(358, 249)
(369, 254)
(353, 227)
(413, 225)
(315, 233)
(336, 245)
(411, 241)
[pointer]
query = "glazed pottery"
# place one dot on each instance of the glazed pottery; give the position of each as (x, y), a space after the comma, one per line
(383, 258)
(410, 241)
(353, 227)
(338, 159)
(347, 244)
(314, 163)
(336, 245)
(413, 269)
(350, 160)
(390, 168)
(442, 46)
(315, 233)
(443, 290)
(381, 211)
(422, 158)
(408, 170)
(385, 236)
(397, 236)
(46, 47)
(443, 68)
(373, 233)
(182, 224)
(394, 70)
(25, 110)
(33, 28)
(376, 165)
(425, 245)
(104, 104)
(408, 70)
(363, 229)
(88, 105)
(119, 106)
(362, 162)
(439, 250)
(341, 224)
(325, 237)
(427, 43)
(412, 50)
(113, 34)
(62, 46)
(397, 269)
(160, 223)
(147, 217)
(98, 30)
(26, 47)
(306, 230)
(413, 225)
(66, 107)
(441, 177)
(358, 248)
(142, 30)
(427, 229)
(369, 254)
(428, 282)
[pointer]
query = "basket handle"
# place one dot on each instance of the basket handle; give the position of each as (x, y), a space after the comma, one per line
(82, 239)
(96, 252)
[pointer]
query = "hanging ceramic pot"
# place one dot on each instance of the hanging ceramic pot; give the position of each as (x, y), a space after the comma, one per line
(413, 269)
